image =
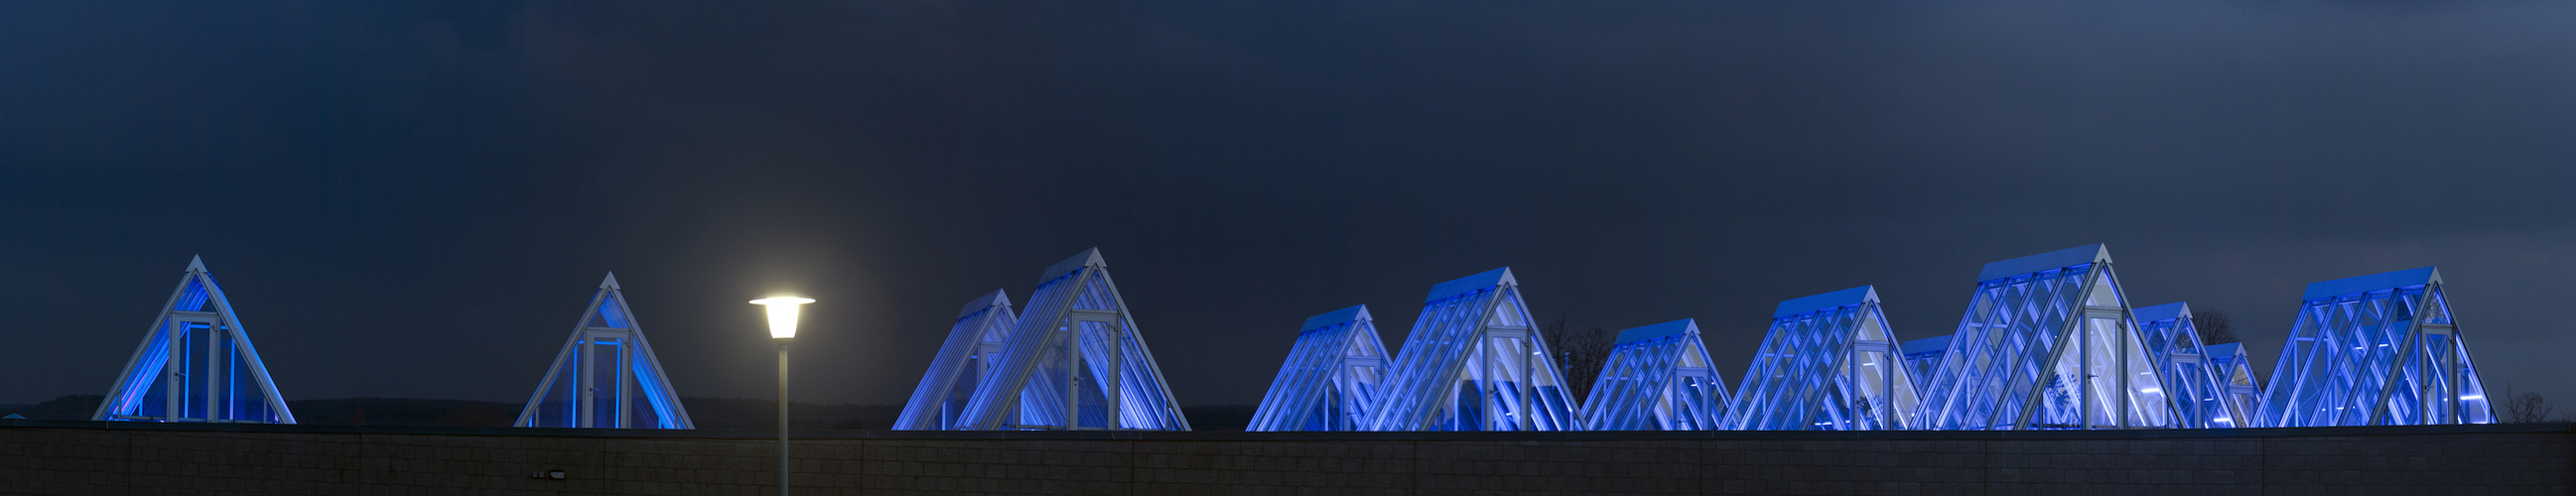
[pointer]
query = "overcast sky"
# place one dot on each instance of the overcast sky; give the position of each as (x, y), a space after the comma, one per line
(415, 199)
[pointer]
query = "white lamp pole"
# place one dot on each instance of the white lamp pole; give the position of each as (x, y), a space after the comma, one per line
(782, 328)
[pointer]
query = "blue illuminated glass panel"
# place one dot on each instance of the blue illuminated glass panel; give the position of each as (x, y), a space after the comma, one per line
(2375, 350)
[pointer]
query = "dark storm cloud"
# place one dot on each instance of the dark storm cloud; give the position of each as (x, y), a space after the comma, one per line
(413, 199)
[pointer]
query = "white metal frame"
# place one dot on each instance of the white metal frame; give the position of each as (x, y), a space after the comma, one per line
(965, 360)
(1331, 379)
(1475, 330)
(633, 348)
(1050, 334)
(131, 385)
(1981, 382)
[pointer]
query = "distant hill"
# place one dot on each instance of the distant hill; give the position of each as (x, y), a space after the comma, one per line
(68, 407)
(708, 413)
(404, 412)
(750, 413)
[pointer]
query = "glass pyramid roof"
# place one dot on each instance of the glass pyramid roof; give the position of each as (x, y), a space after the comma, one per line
(2047, 343)
(974, 341)
(1473, 362)
(1073, 361)
(1331, 379)
(2236, 375)
(1829, 362)
(196, 364)
(1657, 378)
(605, 376)
(2196, 384)
(2375, 350)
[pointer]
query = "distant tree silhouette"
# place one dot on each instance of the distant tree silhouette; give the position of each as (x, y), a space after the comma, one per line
(2526, 407)
(2215, 327)
(1579, 355)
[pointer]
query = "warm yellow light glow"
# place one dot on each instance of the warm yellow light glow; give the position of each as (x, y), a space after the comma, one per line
(782, 314)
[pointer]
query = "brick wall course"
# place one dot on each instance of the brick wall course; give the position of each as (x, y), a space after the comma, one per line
(39, 458)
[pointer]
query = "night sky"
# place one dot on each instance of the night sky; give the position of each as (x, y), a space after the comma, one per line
(415, 199)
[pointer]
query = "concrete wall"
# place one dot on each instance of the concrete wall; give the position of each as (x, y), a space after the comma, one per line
(88, 458)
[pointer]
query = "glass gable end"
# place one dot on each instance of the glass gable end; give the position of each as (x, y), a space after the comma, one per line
(196, 364)
(2047, 343)
(2375, 350)
(2236, 376)
(1473, 362)
(1657, 378)
(1074, 361)
(1828, 363)
(2200, 395)
(964, 360)
(1331, 379)
(606, 376)
(1922, 355)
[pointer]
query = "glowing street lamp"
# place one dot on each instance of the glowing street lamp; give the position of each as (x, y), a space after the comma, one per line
(782, 328)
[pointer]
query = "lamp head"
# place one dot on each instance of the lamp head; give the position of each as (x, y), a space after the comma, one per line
(782, 313)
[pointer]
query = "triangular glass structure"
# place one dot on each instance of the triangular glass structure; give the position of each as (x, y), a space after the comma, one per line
(1657, 378)
(1828, 363)
(2198, 389)
(195, 365)
(1473, 362)
(963, 362)
(2047, 343)
(2375, 350)
(1331, 379)
(606, 376)
(1923, 355)
(1074, 361)
(2236, 376)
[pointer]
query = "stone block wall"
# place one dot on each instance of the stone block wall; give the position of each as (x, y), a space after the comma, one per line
(88, 458)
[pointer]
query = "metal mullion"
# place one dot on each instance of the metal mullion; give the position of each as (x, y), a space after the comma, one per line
(1293, 389)
(588, 391)
(2310, 392)
(2284, 372)
(1403, 377)
(2406, 351)
(2003, 356)
(1667, 373)
(640, 350)
(175, 354)
(993, 411)
(1145, 353)
(1797, 383)
(2030, 404)
(624, 366)
(1668, 377)
(241, 345)
(1603, 405)
(937, 384)
(1757, 381)
(1886, 398)
(1947, 377)
(1530, 372)
(1453, 366)
(160, 322)
(213, 372)
(2356, 364)
(1645, 383)
(1822, 370)
(528, 414)
(1802, 382)
(1779, 393)
(1648, 367)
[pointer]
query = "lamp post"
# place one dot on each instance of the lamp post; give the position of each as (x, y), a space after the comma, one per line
(782, 328)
